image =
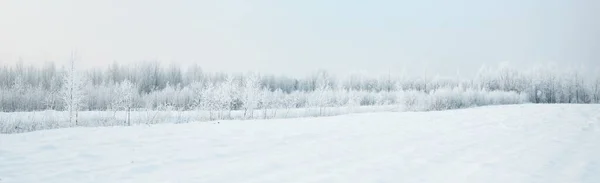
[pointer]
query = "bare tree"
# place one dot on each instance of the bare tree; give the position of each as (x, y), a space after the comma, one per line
(597, 90)
(125, 92)
(72, 92)
(251, 95)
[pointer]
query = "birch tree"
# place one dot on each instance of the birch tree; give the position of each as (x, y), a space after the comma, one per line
(72, 92)
(250, 98)
(124, 100)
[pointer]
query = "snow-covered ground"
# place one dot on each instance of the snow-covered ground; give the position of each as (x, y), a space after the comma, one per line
(514, 143)
(19, 122)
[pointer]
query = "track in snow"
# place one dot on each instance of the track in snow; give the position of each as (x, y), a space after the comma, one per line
(518, 143)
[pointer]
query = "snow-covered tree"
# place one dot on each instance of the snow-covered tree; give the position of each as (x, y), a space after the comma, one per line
(208, 100)
(319, 97)
(290, 101)
(32, 88)
(52, 99)
(196, 88)
(353, 101)
(266, 101)
(596, 90)
(278, 101)
(251, 95)
(124, 100)
(72, 92)
(223, 97)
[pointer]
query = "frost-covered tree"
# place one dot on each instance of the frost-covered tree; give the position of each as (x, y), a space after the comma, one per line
(235, 95)
(251, 95)
(224, 97)
(125, 94)
(596, 91)
(318, 98)
(290, 101)
(52, 99)
(72, 92)
(208, 100)
(32, 88)
(277, 101)
(18, 92)
(353, 101)
(266, 101)
(196, 88)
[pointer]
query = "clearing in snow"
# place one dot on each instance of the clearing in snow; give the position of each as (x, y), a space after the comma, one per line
(516, 143)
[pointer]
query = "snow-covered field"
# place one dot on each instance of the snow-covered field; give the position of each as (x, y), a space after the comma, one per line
(19, 122)
(513, 143)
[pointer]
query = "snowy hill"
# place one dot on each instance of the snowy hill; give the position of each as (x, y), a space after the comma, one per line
(513, 143)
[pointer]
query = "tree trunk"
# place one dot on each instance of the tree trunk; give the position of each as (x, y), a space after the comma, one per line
(76, 117)
(265, 113)
(129, 116)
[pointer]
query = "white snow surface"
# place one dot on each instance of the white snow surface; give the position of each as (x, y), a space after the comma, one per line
(514, 143)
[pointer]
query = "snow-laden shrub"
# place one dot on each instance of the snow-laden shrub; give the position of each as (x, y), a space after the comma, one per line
(212, 102)
(455, 98)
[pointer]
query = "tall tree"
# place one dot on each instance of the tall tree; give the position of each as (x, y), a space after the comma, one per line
(251, 95)
(73, 92)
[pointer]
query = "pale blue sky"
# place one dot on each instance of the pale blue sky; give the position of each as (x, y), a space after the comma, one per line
(298, 37)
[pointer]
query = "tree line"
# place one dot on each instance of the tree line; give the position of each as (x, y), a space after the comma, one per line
(152, 86)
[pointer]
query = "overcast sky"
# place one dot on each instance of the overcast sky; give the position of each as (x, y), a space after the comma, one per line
(298, 37)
